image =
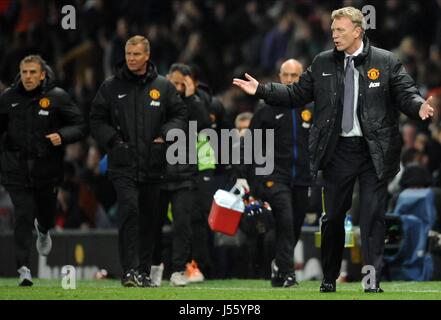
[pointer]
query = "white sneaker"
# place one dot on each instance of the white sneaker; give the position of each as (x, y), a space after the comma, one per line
(44, 241)
(274, 269)
(156, 274)
(25, 279)
(178, 279)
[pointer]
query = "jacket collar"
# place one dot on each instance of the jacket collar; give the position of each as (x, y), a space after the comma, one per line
(122, 72)
(358, 60)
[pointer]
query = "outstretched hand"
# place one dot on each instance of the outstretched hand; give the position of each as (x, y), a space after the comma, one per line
(250, 86)
(426, 110)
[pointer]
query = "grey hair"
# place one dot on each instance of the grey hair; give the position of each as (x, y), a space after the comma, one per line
(352, 13)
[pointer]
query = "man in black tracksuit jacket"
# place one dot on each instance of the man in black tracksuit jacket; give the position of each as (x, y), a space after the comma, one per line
(130, 117)
(179, 186)
(37, 119)
(210, 178)
(286, 189)
(367, 149)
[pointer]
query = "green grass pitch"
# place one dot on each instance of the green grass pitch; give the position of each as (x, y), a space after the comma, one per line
(214, 290)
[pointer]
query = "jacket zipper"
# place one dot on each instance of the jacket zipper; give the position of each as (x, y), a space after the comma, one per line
(30, 115)
(361, 93)
(136, 133)
(294, 137)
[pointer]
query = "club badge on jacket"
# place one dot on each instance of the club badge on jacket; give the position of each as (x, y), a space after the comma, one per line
(306, 117)
(155, 95)
(373, 74)
(44, 103)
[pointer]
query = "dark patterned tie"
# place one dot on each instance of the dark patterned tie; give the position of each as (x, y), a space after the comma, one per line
(347, 122)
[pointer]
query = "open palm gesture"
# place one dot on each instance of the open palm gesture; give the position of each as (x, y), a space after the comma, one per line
(250, 86)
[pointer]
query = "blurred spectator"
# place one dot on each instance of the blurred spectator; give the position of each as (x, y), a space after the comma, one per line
(276, 42)
(415, 176)
(76, 154)
(86, 55)
(85, 91)
(409, 135)
(410, 157)
(117, 44)
(242, 122)
(77, 205)
(31, 13)
(164, 43)
(397, 20)
(434, 160)
(202, 31)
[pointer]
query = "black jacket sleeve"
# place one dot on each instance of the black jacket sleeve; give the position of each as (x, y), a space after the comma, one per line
(290, 96)
(198, 111)
(73, 124)
(100, 117)
(3, 115)
(404, 91)
(176, 112)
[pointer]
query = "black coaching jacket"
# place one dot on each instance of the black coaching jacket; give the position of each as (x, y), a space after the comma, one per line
(128, 113)
(28, 158)
(291, 155)
(385, 88)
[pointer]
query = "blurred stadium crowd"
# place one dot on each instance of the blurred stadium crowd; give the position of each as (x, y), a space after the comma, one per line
(223, 39)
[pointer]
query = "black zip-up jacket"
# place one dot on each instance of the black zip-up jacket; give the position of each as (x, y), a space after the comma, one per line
(128, 113)
(385, 88)
(28, 158)
(183, 175)
(291, 155)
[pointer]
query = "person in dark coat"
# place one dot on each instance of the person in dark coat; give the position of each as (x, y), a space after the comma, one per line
(286, 189)
(37, 120)
(358, 91)
(179, 186)
(130, 117)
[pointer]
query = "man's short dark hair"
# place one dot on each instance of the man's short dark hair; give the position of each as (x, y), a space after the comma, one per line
(180, 67)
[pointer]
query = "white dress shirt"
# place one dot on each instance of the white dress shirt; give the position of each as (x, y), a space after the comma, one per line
(356, 129)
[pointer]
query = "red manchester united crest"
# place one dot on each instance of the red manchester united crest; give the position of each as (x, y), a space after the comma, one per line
(373, 74)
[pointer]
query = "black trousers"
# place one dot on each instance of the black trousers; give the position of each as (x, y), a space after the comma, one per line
(352, 160)
(289, 205)
(28, 204)
(202, 247)
(137, 223)
(182, 205)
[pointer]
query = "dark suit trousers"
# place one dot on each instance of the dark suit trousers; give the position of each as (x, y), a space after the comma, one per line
(181, 204)
(289, 207)
(352, 160)
(137, 223)
(37, 203)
